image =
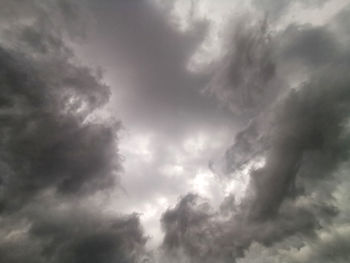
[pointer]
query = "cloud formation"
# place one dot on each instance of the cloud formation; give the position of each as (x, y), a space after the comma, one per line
(300, 134)
(53, 154)
(284, 87)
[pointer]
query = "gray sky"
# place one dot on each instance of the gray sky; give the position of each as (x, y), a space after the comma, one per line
(174, 131)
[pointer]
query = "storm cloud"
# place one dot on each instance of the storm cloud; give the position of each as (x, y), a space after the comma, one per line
(115, 148)
(53, 153)
(301, 138)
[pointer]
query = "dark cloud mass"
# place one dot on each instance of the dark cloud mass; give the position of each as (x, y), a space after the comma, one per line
(283, 85)
(52, 154)
(302, 138)
(246, 79)
(71, 235)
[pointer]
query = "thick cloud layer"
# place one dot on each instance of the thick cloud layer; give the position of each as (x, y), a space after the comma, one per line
(46, 234)
(168, 122)
(53, 155)
(246, 79)
(302, 137)
(281, 188)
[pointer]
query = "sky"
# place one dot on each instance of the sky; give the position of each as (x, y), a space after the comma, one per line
(174, 131)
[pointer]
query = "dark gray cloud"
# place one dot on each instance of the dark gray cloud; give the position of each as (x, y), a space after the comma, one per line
(302, 138)
(71, 235)
(314, 46)
(53, 155)
(59, 162)
(246, 78)
(45, 142)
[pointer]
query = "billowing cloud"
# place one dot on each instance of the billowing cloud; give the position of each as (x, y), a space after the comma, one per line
(253, 146)
(54, 154)
(246, 79)
(70, 234)
(300, 134)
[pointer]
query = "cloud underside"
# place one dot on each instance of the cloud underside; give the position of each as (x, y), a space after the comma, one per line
(57, 158)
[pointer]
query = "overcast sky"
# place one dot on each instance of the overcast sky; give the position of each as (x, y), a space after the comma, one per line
(174, 131)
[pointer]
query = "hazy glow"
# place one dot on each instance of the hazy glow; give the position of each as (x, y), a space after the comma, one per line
(194, 145)
(137, 145)
(172, 170)
(315, 16)
(202, 181)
